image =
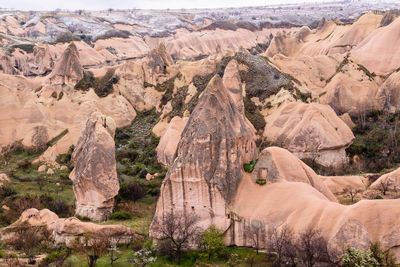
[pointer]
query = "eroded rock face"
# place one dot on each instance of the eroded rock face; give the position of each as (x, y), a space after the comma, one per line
(206, 173)
(296, 197)
(65, 230)
(169, 141)
(68, 69)
(311, 131)
(95, 181)
(389, 180)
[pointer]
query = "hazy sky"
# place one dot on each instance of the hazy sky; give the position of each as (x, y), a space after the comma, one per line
(124, 4)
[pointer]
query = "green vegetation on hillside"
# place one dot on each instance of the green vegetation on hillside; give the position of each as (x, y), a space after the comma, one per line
(102, 86)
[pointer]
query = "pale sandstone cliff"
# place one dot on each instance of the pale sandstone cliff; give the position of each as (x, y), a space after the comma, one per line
(94, 177)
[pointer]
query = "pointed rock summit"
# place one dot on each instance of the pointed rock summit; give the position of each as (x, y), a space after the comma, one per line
(68, 68)
(95, 181)
(216, 142)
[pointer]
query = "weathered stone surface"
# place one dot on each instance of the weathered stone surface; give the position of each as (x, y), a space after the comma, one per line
(390, 180)
(95, 181)
(4, 179)
(312, 131)
(296, 197)
(169, 141)
(338, 184)
(206, 173)
(65, 230)
(68, 69)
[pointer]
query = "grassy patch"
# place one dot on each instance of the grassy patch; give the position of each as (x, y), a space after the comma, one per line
(29, 188)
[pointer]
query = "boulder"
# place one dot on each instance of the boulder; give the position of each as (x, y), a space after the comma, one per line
(310, 131)
(95, 181)
(4, 180)
(204, 177)
(64, 231)
(169, 141)
(42, 168)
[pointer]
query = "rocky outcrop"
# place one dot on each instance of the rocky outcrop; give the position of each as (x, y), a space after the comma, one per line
(390, 180)
(206, 172)
(388, 95)
(300, 200)
(64, 231)
(169, 141)
(339, 184)
(68, 68)
(312, 131)
(4, 180)
(95, 181)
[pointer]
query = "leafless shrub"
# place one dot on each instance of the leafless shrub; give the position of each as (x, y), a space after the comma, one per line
(352, 193)
(255, 232)
(178, 230)
(312, 247)
(384, 185)
(282, 242)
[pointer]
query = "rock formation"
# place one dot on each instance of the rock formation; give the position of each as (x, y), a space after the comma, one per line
(390, 180)
(95, 181)
(206, 173)
(169, 141)
(299, 199)
(312, 131)
(64, 231)
(68, 68)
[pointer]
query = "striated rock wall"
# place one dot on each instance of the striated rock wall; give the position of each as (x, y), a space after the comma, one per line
(206, 173)
(95, 181)
(68, 69)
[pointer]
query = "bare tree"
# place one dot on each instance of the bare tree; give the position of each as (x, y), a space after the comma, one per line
(111, 241)
(92, 245)
(179, 229)
(312, 247)
(282, 242)
(254, 231)
(27, 238)
(384, 185)
(352, 193)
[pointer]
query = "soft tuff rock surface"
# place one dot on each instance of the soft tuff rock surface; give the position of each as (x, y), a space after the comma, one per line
(311, 131)
(206, 173)
(169, 141)
(65, 230)
(95, 181)
(391, 180)
(295, 196)
(68, 68)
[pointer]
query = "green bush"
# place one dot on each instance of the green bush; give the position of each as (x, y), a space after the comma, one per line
(1, 254)
(253, 114)
(378, 197)
(383, 257)
(211, 241)
(131, 191)
(261, 181)
(121, 215)
(249, 167)
(56, 256)
(358, 258)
